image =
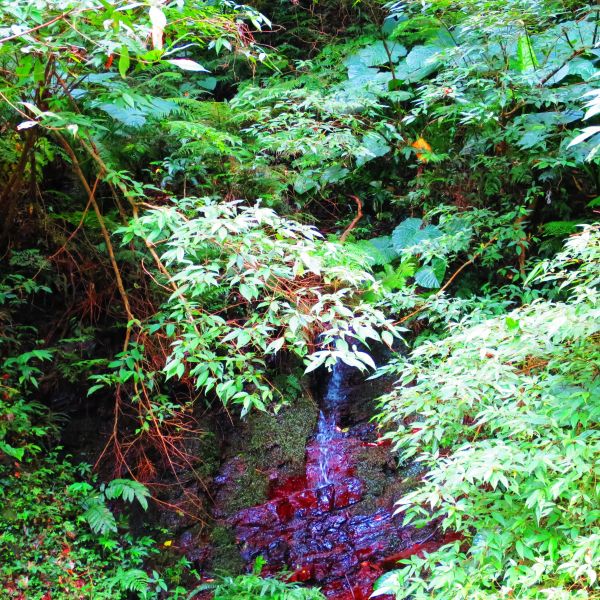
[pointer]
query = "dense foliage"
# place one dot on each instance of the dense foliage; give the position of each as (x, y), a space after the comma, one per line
(202, 203)
(503, 412)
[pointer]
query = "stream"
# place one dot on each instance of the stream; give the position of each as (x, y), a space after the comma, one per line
(315, 526)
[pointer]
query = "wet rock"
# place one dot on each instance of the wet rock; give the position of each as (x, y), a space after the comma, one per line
(332, 525)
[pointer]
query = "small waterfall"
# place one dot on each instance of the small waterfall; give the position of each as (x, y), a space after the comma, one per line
(327, 428)
(307, 525)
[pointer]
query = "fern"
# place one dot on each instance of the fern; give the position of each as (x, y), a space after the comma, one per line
(245, 587)
(128, 490)
(213, 113)
(132, 580)
(99, 517)
(560, 229)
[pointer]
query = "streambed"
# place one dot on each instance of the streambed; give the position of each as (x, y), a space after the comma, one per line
(333, 525)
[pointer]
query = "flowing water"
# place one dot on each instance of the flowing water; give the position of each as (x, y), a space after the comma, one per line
(320, 526)
(327, 426)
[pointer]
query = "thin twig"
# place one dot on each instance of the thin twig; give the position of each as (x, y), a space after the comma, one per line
(105, 234)
(36, 28)
(449, 282)
(564, 64)
(81, 221)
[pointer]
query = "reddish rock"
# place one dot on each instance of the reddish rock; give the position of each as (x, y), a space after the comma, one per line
(311, 525)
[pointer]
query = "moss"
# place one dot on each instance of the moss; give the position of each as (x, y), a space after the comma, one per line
(369, 468)
(226, 556)
(209, 453)
(249, 489)
(266, 443)
(281, 438)
(384, 484)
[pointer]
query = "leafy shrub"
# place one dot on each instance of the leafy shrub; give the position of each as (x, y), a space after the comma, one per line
(504, 412)
(244, 587)
(248, 284)
(60, 539)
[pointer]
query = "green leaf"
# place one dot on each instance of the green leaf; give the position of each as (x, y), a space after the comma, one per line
(133, 580)
(395, 279)
(388, 338)
(100, 518)
(377, 55)
(95, 388)
(431, 276)
(378, 251)
(276, 345)
(373, 145)
(17, 453)
(420, 62)
(187, 65)
(26, 125)
(124, 61)
(512, 324)
(129, 490)
(527, 60)
(411, 232)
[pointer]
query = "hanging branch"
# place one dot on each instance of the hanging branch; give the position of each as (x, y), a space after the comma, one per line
(95, 155)
(105, 234)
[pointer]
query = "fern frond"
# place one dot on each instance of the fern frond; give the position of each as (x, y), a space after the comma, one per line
(132, 580)
(99, 517)
(129, 490)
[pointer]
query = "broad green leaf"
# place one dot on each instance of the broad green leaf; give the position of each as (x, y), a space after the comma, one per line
(16, 453)
(124, 61)
(527, 60)
(431, 276)
(411, 232)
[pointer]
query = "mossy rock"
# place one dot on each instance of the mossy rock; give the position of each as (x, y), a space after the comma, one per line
(209, 452)
(250, 488)
(226, 557)
(264, 444)
(281, 438)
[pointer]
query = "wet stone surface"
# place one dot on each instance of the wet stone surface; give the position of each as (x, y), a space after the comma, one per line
(333, 527)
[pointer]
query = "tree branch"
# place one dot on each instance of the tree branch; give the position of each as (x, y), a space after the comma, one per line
(36, 28)
(105, 234)
(452, 278)
(359, 215)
